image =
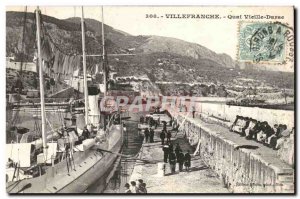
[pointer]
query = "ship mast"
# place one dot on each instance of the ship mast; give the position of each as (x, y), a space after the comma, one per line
(103, 56)
(42, 95)
(85, 87)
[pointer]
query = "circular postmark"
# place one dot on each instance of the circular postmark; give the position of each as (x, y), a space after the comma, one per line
(267, 43)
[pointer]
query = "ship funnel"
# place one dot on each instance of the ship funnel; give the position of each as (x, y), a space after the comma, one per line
(94, 110)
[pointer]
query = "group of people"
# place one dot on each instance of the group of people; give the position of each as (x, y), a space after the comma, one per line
(150, 121)
(176, 156)
(138, 187)
(149, 132)
(165, 134)
(71, 135)
(261, 131)
(149, 135)
(155, 122)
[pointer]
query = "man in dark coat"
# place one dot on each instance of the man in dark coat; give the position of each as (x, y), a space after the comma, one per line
(169, 135)
(141, 119)
(166, 150)
(127, 188)
(253, 133)
(151, 122)
(133, 187)
(177, 150)
(164, 126)
(187, 161)
(172, 161)
(193, 111)
(162, 137)
(180, 160)
(170, 146)
(147, 134)
(151, 135)
(155, 123)
(268, 130)
(171, 121)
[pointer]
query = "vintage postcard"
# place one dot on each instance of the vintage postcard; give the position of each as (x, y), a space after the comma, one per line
(150, 100)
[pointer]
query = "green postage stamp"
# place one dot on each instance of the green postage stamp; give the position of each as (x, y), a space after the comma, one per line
(266, 43)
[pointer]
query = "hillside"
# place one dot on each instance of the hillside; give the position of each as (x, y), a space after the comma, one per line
(153, 44)
(183, 48)
(65, 35)
(164, 60)
(124, 40)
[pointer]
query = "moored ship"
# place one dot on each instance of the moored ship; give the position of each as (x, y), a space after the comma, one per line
(68, 159)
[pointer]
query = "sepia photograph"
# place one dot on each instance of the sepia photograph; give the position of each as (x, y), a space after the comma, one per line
(150, 100)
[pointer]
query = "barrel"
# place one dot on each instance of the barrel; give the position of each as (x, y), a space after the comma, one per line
(161, 169)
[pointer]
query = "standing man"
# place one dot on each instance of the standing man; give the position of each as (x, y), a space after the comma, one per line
(193, 110)
(146, 133)
(162, 137)
(180, 160)
(169, 135)
(155, 124)
(133, 187)
(124, 128)
(166, 150)
(151, 135)
(139, 186)
(170, 123)
(142, 119)
(170, 146)
(177, 150)
(144, 188)
(151, 122)
(172, 161)
(187, 161)
(164, 125)
(127, 189)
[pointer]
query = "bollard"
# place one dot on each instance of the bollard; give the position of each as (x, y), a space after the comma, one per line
(161, 169)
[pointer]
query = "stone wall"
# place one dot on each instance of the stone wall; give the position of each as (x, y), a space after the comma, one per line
(286, 151)
(218, 108)
(227, 112)
(241, 170)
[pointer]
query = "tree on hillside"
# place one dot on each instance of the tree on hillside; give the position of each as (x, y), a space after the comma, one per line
(212, 89)
(221, 91)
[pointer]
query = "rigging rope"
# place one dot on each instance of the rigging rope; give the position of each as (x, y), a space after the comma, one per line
(16, 118)
(37, 128)
(45, 32)
(23, 41)
(52, 129)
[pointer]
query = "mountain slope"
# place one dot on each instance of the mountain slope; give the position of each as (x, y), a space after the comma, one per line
(160, 58)
(183, 48)
(66, 34)
(155, 44)
(121, 38)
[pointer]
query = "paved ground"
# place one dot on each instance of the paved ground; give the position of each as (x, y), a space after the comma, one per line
(199, 180)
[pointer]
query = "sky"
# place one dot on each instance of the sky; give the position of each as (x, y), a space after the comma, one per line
(219, 35)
